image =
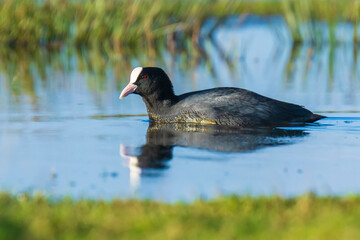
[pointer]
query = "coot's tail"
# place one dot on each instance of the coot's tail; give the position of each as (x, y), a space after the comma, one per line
(315, 117)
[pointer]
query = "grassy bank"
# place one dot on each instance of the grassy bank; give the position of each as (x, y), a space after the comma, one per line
(306, 217)
(123, 24)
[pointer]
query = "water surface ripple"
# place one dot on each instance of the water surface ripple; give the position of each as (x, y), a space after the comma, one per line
(63, 130)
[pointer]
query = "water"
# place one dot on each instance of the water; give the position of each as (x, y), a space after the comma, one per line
(63, 131)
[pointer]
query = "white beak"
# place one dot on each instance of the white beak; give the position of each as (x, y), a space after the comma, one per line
(130, 88)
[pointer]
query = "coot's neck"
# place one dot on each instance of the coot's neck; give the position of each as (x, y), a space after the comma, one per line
(159, 102)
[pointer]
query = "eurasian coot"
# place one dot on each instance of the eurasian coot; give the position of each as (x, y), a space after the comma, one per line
(227, 106)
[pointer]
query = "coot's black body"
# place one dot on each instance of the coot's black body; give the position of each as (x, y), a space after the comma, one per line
(227, 106)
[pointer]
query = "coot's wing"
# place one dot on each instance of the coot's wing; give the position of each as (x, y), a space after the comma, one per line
(240, 107)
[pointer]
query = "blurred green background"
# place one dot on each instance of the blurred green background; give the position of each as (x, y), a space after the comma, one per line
(110, 34)
(121, 26)
(36, 36)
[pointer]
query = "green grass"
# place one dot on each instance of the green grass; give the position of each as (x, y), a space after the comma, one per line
(306, 217)
(121, 25)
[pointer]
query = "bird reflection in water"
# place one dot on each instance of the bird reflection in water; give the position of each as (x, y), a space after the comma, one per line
(162, 138)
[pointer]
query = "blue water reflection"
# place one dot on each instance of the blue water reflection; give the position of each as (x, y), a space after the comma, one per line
(63, 130)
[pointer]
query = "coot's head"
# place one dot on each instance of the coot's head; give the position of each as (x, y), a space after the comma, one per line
(149, 82)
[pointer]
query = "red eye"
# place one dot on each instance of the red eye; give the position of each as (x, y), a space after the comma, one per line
(144, 76)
